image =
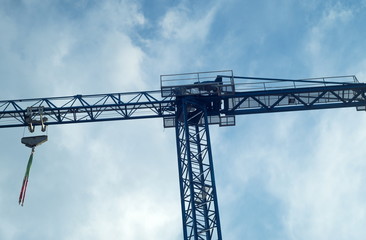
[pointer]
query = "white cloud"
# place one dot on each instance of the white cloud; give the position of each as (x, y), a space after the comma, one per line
(65, 55)
(323, 192)
(329, 22)
(183, 33)
(310, 164)
(327, 43)
(125, 180)
(180, 24)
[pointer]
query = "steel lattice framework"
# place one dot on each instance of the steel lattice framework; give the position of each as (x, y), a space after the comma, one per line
(86, 108)
(200, 213)
(190, 103)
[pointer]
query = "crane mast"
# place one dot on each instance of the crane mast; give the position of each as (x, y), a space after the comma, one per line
(200, 213)
(190, 103)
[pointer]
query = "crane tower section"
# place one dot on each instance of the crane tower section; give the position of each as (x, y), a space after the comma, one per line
(198, 104)
(214, 98)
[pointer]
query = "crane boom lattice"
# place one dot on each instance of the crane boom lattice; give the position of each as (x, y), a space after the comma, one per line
(190, 103)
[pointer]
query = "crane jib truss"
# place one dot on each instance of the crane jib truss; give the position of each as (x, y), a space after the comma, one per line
(190, 103)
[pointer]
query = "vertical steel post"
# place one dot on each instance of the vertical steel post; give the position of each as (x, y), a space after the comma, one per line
(199, 203)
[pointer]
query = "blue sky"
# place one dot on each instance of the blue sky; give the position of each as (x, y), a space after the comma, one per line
(283, 176)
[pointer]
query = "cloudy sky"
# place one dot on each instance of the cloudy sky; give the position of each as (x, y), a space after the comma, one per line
(283, 176)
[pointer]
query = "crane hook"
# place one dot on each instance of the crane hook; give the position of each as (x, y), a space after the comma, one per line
(32, 121)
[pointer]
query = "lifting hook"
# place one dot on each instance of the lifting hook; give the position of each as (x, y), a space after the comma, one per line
(31, 121)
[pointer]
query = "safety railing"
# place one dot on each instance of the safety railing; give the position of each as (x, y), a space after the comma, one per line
(248, 84)
(199, 83)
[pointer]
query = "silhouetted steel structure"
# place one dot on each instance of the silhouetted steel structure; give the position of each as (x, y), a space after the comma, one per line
(190, 103)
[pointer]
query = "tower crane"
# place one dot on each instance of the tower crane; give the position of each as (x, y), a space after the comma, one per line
(189, 103)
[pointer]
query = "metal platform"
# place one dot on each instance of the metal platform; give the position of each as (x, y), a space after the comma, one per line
(199, 84)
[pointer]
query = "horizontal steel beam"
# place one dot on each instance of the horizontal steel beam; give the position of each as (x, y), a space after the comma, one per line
(296, 99)
(88, 108)
(151, 104)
